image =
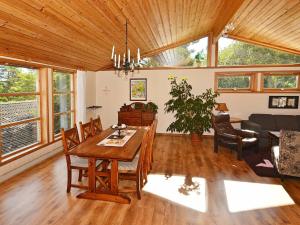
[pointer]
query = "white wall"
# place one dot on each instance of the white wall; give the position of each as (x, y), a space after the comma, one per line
(90, 94)
(81, 111)
(240, 105)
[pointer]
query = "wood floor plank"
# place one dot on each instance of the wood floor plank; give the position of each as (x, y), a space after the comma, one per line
(38, 196)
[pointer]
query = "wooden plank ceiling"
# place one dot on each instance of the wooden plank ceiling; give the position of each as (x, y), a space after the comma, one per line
(274, 22)
(79, 34)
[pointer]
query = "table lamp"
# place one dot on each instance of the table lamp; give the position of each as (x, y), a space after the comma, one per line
(222, 107)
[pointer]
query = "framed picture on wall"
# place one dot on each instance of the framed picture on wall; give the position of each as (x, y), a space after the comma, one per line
(138, 89)
(283, 102)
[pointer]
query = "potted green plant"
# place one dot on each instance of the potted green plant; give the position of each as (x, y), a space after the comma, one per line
(192, 113)
(151, 107)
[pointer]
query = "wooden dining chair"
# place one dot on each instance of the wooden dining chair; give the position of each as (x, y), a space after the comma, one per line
(96, 126)
(148, 154)
(134, 170)
(86, 130)
(70, 139)
(153, 132)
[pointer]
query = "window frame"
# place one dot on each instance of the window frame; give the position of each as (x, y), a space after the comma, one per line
(253, 82)
(279, 90)
(73, 101)
(20, 122)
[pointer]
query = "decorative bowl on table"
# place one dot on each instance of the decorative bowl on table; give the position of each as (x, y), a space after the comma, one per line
(119, 128)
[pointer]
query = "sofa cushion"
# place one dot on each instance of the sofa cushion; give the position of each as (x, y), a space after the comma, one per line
(286, 122)
(267, 121)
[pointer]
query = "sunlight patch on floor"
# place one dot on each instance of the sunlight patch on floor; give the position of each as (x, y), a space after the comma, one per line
(245, 196)
(184, 190)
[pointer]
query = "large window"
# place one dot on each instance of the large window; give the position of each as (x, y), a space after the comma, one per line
(193, 54)
(235, 82)
(63, 101)
(236, 53)
(19, 109)
(283, 81)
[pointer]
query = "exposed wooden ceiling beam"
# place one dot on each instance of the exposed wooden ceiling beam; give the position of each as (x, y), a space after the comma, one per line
(230, 7)
(288, 50)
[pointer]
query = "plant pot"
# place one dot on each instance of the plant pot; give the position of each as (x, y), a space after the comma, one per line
(196, 137)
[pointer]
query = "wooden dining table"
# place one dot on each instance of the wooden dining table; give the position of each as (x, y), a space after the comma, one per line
(89, 149)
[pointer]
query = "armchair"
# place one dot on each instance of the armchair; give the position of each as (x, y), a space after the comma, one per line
(227, 135)
(286, 156)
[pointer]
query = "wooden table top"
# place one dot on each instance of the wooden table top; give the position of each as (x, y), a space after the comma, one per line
(90, 148)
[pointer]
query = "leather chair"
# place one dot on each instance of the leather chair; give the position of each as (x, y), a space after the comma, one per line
(226, 135)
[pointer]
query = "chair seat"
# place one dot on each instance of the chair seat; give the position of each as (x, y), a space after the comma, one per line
(127, 166)
(82, 162)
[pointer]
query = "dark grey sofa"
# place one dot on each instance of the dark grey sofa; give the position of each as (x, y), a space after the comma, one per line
(262, 123)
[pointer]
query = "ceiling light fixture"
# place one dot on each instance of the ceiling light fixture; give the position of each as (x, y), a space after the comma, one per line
(228, 28)
(128, 64)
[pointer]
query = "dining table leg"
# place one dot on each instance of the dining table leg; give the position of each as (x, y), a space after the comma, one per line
(113, 194)
(92, 175)
(114, 178)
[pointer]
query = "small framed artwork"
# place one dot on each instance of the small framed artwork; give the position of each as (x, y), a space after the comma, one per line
(283, 102)
(138, 89)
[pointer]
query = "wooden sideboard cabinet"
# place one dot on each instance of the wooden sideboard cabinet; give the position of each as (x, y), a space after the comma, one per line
(134, 115)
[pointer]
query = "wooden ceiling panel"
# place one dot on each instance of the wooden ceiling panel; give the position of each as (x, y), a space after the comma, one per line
(80, 34)
(272, 22)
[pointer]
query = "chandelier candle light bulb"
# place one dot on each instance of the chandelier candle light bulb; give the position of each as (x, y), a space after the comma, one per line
(138, 55)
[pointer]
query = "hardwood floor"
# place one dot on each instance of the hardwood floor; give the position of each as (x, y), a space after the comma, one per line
(38, 196)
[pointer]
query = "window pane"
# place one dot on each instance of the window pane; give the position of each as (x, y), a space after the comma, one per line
(18, 79)
(192, 54)
(20, 136)
(232, 52)
(13, 111)
(63, 121)
(234, 82)
(62, 103)
(62, 82)
(284, 81)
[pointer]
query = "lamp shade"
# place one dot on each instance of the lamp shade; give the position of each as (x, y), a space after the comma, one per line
(222, 107)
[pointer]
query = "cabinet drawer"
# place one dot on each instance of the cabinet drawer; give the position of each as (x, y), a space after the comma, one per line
(147, 116)
(130, 114)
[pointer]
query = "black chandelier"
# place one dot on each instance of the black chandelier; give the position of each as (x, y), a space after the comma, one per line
(128, 64)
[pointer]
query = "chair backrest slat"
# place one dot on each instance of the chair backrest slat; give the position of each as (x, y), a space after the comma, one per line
(86, 130)
(97, 126)
(70, 138)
